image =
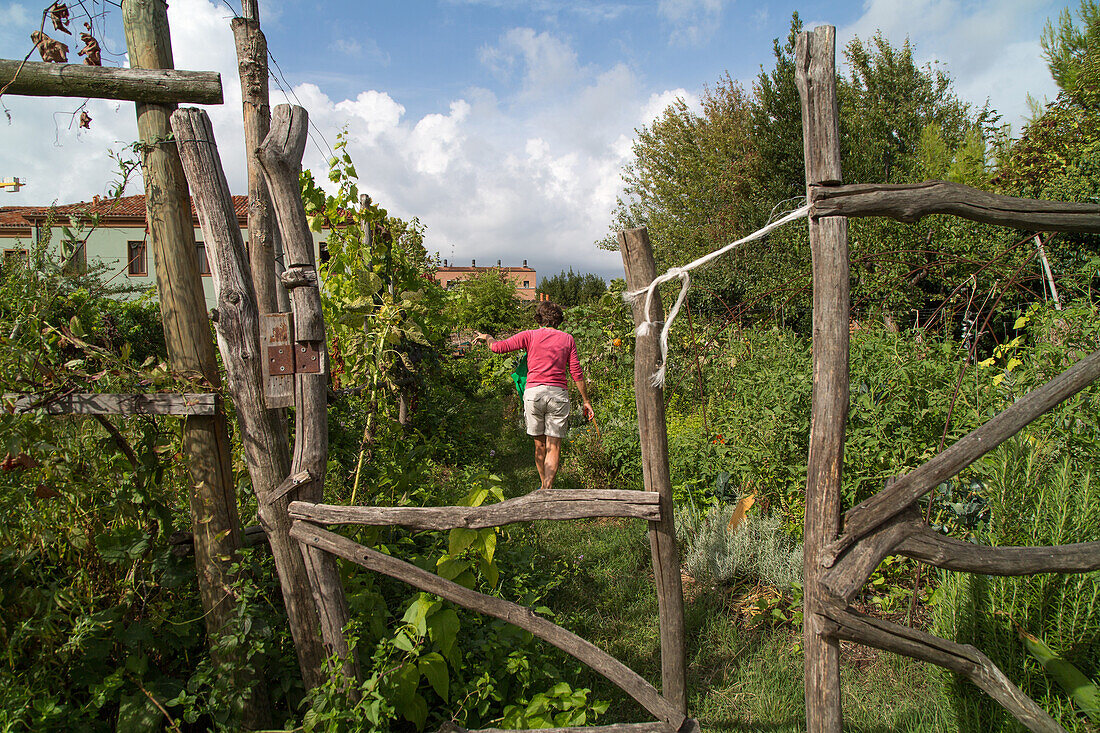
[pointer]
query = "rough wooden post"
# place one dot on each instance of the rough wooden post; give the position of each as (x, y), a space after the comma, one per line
(187, 331)
(281, 158)
(252, 67)
(816, 78)
(263, 431)
(652, 431)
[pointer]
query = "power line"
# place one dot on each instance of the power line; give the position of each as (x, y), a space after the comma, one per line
(291, 92)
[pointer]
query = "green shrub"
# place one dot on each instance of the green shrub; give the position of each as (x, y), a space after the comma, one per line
(758, 549)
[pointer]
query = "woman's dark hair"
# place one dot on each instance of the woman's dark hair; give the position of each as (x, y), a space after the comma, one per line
(548, 314)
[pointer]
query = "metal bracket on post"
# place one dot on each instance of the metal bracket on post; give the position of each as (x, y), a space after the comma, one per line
(283, 357)
(307, 357)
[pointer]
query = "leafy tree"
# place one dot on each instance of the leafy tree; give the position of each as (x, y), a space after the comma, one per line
(700, 179)
(1070, 50)
(487, 302)
(1057, 156)
(570, 289)
(886, 105)
(690, 182)
(777, 123)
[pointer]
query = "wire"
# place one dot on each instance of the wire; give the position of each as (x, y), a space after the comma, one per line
(291, 92)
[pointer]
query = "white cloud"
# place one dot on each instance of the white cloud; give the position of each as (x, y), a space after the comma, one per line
(370, 115)
(527, 172)
(549, 63)
(436, 140)
(658, 102)
(692, 21)
(347, 47)
(990, 47)
(13, 15)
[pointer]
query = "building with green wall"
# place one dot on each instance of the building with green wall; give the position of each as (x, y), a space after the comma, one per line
(107, 232)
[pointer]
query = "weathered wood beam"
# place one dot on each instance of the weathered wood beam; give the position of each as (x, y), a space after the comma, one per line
(949, 553)
(892, 500)
(641, 270)
(155, 86)
(95, 403)
(251, 47)
(182, 543)
(628, 680)
(552, 504)
(263, 432)
(815, 76)
(191, 351)
(280, 157)
(844, 579)
(961, 658)
(910, 202)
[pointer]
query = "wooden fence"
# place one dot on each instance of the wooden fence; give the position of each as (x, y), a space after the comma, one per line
(840, 556)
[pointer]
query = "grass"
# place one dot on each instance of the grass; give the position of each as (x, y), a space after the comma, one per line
(740, 678)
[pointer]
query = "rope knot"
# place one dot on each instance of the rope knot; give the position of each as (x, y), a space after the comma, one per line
(645, 328)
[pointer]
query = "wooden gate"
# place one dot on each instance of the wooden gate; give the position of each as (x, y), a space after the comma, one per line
(840, 557)
(654, 505)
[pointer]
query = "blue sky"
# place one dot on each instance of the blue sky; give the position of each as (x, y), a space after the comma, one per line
(502, 125)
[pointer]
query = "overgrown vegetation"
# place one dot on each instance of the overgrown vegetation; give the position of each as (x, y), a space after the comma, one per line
(102, 626)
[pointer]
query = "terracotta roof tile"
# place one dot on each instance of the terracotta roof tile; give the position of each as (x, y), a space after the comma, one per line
(127, 207)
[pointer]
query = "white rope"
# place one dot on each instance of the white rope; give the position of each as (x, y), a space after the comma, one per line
(681, 273)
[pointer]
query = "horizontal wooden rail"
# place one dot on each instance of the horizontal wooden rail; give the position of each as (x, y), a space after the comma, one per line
(961, 658)
(907, 534)
(95, 403)
(183, 543)
(949, 553)
(910, 202)
(160, 86)
(548, 504)
(627, 679)
(894, 499)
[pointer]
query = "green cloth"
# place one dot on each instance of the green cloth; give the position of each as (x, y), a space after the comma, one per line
(519, 374)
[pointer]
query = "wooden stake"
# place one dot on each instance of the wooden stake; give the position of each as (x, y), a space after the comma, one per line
(263, 431)
(281, 158)
(816, 79)
(652, 431)
(252, 66)
(187, 333)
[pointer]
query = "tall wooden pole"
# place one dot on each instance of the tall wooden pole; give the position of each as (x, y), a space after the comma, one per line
(216, 525)
(653, 434)
(263, 431)
(816, 77)
(281, 158)
(252, 66)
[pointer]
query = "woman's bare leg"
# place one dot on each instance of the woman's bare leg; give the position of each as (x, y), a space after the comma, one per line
(540, 458)
(551, 455)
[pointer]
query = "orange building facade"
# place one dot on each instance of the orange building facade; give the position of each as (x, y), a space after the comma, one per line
(524, 277)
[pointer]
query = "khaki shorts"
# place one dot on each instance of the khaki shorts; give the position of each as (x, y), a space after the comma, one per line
(546, 409)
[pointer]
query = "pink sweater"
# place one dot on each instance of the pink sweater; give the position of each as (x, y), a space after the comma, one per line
(549, 353)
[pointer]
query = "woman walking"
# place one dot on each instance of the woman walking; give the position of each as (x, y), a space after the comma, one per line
(551, 360)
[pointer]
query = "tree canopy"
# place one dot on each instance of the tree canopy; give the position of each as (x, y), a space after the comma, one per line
(568, 289)
(701, 177)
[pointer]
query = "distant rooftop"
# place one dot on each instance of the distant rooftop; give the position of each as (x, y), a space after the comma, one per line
(127, 208)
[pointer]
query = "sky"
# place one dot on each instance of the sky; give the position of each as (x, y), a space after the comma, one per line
(502, 125)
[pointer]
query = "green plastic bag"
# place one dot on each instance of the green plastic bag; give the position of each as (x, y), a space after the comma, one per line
(519, 374)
